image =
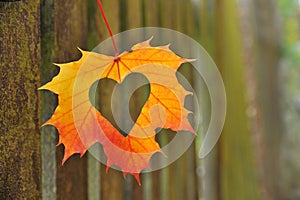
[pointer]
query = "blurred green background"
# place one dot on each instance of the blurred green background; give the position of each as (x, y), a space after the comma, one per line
(256, 46)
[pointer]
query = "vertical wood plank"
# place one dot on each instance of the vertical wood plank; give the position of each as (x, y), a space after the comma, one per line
(179, 170)
(96, 27)
(262, 60)
(134, 14)
(133, 20)
(111, 182)
(94, 177)
(20, 168)
(48, 101)
(178, 177)
(167, 10)
(94, 37)
(207, 26)
(147, 187)
(164, 183)
(206, 168)
(123, 21)
(167, 182)
(238, 179)
(71, 32)
(150, 10)
(112, 9)
(268, 52)
(190, 29)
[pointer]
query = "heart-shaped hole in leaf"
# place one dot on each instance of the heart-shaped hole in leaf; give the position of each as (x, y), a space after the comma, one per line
(126, 98)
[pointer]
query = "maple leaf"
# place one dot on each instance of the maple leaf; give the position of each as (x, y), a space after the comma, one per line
(80, 124)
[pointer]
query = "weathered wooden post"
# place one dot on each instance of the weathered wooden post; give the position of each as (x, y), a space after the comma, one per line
(20, 163)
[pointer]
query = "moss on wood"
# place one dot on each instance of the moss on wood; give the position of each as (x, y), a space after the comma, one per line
(19, 80)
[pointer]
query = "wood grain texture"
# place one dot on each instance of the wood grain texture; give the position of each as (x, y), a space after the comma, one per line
(70, 33)
(20, 169)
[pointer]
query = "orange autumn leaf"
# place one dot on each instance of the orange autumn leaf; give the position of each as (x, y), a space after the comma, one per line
(80, 124)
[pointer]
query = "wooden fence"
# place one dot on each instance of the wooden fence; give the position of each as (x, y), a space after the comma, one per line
(36, 33)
